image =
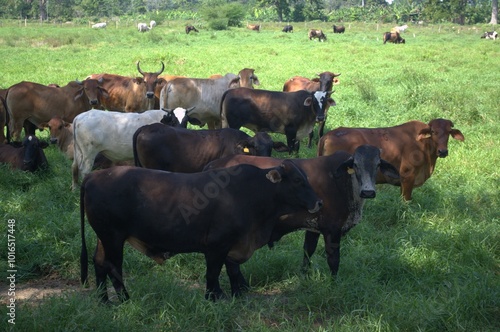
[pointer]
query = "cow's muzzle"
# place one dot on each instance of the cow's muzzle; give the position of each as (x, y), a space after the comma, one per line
(150, 94)
(320, 118)
(442, 153)
(368, 194)
(53, 140)
(94, 102)
(317, 207)
(27, 162)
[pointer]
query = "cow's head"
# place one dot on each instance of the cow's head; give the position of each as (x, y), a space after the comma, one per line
(259, 145)
(439, 131)
(327, 80)
(33, 155)
(150, 80)
(56, 127)
(319, 102)
(178, 117)
(248, 78)
(92, 89)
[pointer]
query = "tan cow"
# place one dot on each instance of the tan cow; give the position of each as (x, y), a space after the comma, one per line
(254, 27)
(316, 33)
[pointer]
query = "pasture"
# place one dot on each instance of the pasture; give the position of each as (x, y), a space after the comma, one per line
(431, 264)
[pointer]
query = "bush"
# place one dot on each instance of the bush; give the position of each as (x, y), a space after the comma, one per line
(222, 16)
(218, 24)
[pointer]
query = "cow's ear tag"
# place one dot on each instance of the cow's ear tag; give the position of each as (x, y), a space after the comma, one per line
(246, 150)
(350, 170)
(427, 136)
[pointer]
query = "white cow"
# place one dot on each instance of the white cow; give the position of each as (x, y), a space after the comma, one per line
(99, 25)
(490, 35)
(152, 24)
(107, 132)
(401, 28)
(142, 27)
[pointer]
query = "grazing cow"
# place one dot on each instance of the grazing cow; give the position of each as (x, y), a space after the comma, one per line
(400, 29)
(224, 214)
(393, 37)
(288, 28)
(190, 28)
(188, 151)
(325, 82)
(99, 25)
(316, 33)
(143, 27)
(341, 180)
(109, 133)
(152, 24)
(29, 157)
(490, 35)
(291, 113)
(39, 103)
(412, 147)
(254, 27)
(338, 29)
(204, 94)
(127, 94)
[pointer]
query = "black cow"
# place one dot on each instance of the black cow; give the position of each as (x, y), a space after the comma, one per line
(28, 157)
(182, 150)
(190, 28)
(338, 29)
(225, 214)
(291, 113)
(342, 181)
(288, 28)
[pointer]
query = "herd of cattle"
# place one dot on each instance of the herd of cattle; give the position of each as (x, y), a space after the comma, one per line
(216, 191)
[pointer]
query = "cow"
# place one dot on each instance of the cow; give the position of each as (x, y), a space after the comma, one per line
(38, 103)
(341, 180)
(127, 94)
(254, 27)
(401, 28)
(143, 27)
(288, 28)
(204, 94)
(412, 147)
(182, 150)
(28, 157)
(109, 133)
(490, 35)
(393, 37)
(152, 24)
(338, 29)
(99, 25)
(190, 28)
(224, 214)
(316, 33)
(291, 113)
(325, 82)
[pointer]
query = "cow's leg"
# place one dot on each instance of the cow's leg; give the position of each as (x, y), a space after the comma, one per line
(310, 244)
(311, 136)
(114, 262)
(214, 261)
(101, 272)
(82, 165)
(236, 278)
(407, 184)
(29, 128)
(15, 127)
(332, 248)
(291, 139)
(321, 127)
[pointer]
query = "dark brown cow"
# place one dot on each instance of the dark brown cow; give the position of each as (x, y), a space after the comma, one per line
(316, 33)
(291, 113)
(254, 27)
(338, 29)
(39, 103)
(28, 157)
(342, 181)
(224, 214)
(325, 82)
(190, 28)
(393, 37)
(288, 28)
(131, 94)
(187, 151)
(412, 147)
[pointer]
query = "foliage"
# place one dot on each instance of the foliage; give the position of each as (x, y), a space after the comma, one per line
(221, 15)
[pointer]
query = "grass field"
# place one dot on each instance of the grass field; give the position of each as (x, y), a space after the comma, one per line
(432, 264)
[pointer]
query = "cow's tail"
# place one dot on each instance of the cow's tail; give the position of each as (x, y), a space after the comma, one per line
(137, 162)
(84, 263)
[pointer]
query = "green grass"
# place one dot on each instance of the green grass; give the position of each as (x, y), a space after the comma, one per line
(432, 264)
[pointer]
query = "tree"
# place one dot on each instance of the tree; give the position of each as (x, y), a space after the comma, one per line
(494, 12)
(282, 7)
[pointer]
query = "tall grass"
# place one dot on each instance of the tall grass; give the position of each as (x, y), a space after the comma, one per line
(432, 264)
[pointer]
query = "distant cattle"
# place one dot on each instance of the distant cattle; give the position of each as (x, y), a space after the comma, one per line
(99, 25)
(204, 94)
(401, 28)
(412, 147)
(288, 28)
(254, 27)
(190, 28)
(342, 181)
(109, 133)
(131, 94)
(37, 103)
(325, 82)
(187, 151)
(224, 214)
(152, 24)
(393, 37)
(338, 29)
(316, 33)
(490, 35)
(143, 27)
(291, 113)
(28, 157)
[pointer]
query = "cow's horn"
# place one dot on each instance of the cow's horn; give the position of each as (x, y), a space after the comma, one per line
(78, 81)
(190, 109)
(139, 68)
(162, 68)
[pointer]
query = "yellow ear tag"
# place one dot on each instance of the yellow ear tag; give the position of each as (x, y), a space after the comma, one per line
(427, 135)
(350, 170)
(246, 150)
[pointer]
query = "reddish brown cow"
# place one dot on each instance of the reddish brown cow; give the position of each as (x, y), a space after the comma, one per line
(254, 27)
(39, 103)
(127, 94)
(28, 157)
(412, 147)
(316, 33)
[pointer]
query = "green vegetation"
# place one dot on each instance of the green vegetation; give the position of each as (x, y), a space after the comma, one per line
(432, 264)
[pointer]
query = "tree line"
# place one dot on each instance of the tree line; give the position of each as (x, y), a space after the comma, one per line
(225, 13)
